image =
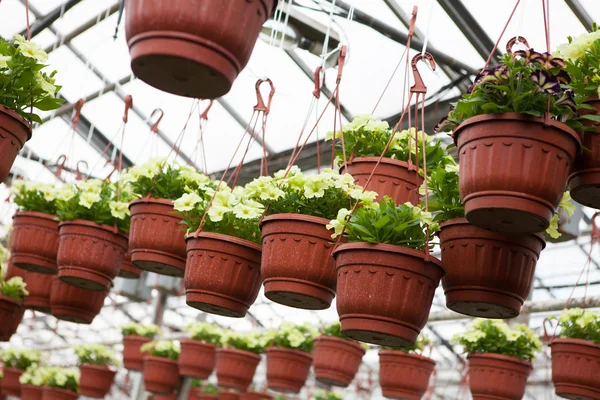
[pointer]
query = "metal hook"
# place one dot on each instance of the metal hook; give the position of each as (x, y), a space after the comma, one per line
(204, 114)
(595, 230)
(515, 40)
(419, 86)
(128, 106)
(77, 112)
(60, 162)
(341, 62)
(79, 175)
(260, 103)
(317, 91)
(154, 127)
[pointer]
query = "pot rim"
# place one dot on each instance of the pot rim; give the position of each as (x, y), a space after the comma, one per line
(301, 353)
(384, 160)
(224, 238)
(294, 217)
(60, 390)
(500, 357)
(15, 115)
(138, 337)
(30, 386)
(238, 351)
(11, 300)
(573, 341)
(36, 214)
(150, 199)
(401, 353)
(97, 367)
(161, 359)
(349, 342)
(195, 342)
(92, 224)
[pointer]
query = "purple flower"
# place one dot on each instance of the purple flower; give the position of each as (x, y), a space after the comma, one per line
(545, 83)
(567, 100)
(549, 61)
(529, 55)
(563, 77)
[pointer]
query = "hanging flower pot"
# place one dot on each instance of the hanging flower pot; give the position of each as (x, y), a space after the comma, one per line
(394, 316)
(133, 359)
(287, 369)
(10, 381)
(197, 359)
(74, 304)
(31, 392)
(156, 237)
(229, 395)
(95, 380)
(39, 287)
(161, 375)
(497, 376)
(51, 393)
(14, 132)
(34, 244)
(297, 267)
(488, 274)
(574, 368)
(336, 360)
(404, 375)
(235, 368)
(253, 395)
(128, 270)
(197, 394)
(193, 51)
(222, 274)
(11, 315)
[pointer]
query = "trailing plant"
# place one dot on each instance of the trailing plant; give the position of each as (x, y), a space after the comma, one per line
(205, 332)
(63, 378)
(14, 288)
(22, 82)
(36, 375)
(133, 328)
(254, 342)
(34, 196)
(20, 359)
(418, 348)
(292, 336)
(96, 354)
(162, 348)
(495, 336)
(323, 395)
(576, 323)
(385, 222)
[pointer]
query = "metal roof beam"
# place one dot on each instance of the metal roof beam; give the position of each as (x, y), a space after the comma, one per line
(43, 22)
(581, 13)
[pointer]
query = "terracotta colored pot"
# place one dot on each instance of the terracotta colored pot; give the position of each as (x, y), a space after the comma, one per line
(89, 255)
(584, 182)
(229, 395)
(30, 392)
(392, 178)
(133, 358)
(34, 244)
(128, 270)
(39, 287)
(297, 267)
(74, 304)
(384, 292)
(252, 395)
(11, 315)
(95, 380)
(14, 132)
(488, 274)
(12, 270)
(196, 394)
(403, 375)
(51, 393)
(193, 49)
(513, 170)
(287, 369)
(575, 364)
(158, 396)
(336, 360)
(10, 381)
(496, 376)
(161, 375)
(156, 236)
(197, 359)
(222, 274)
(235, 368)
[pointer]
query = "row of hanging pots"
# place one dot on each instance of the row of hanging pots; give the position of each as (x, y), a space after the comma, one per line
(30, 392)
(575, 368)
(196, 394)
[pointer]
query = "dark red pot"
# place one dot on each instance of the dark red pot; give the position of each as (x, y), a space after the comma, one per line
(193, 49)
(161, 375)
(403, 375)
(575, 364)
(229, 395)
(488, 274)
(12, 271)
(51, 393)
(392, 178)
(89, 255)
(222, 274)
(336, 360)
(11, 315)
(297, 267)
(31, 392)
(196, 394)
(156, 236)
(384, 292)
(235, 368)
(287, 369)
(158, 396)
(252, 395)
(128, 270)
(14, 132)
(34, 245)
(10, 381)
(74, 304)
(513, 170)
(197, 359)
(133, 358)
(496, 376)
(95, 380)
(39, 287)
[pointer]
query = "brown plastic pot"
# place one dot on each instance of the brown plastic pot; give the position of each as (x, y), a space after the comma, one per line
(197, 359)
(229, 395)
(128, 270)
(297, 268)
(34, 244)
(196, 394)
(95, 380)
(74, 304)
(235, 368)
(193, 51)
(89, 255)
(488, 274)
(252, 395)
(158, 396)
(11, 315)
(14, 132)
(222, 274)
(10, 381)
(403, 375)
(133, 358)
(575, 365)
(392, 178)
(39, 287)
(161, 375)
(31, 392)
(336, 360)
(384, 292)
(156, 236)
(496, 376)
(287, 369)
(50, 393)
(513, 170)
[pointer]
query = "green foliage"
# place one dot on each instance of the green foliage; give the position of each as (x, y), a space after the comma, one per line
(63, 378)
(14, 288)
(36, 375)
(576, 323)
(495, 336)
(444, 198)
(34, 196)
(210, 388)
(22, 82)
(323, 395)
(334, 329)
(205, 332)
(133, 328)
(582, 56)
(254, 342)
(291, 336)
(418, 348)
(162, 348)
(20, 359)
(96, 354)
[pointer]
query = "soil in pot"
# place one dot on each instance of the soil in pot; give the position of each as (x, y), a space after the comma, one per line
(34, 244)
(197, 359)
(297, 267)
(74, 304)
(336, 360)
(50, 393)
(235, 368)
(513, 170)
(133, 358)
(10, 381)
(496, 376)
(575, 364)
(95, 380)
(31, 392)
(156, 236)
(11, 315)
(14, 132)
(403, 375)
(39, 287)
(161, 375)
(384, 292)
(222, 274)
(488, 274)
(287, 369)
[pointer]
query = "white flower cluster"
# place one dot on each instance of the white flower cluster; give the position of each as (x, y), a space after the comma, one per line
(582, 318)
(158, 165)
(296, 336)
(578, 46)
(90, 193)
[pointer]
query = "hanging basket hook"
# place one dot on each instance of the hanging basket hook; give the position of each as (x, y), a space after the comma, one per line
(317, 91)
(260, 103)
(77, 112)
(595, 230)
(128, 106)
(204, 114)
(161, 114)
(79, 169)
(60, 162)
(515, 40)
(419, 85)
